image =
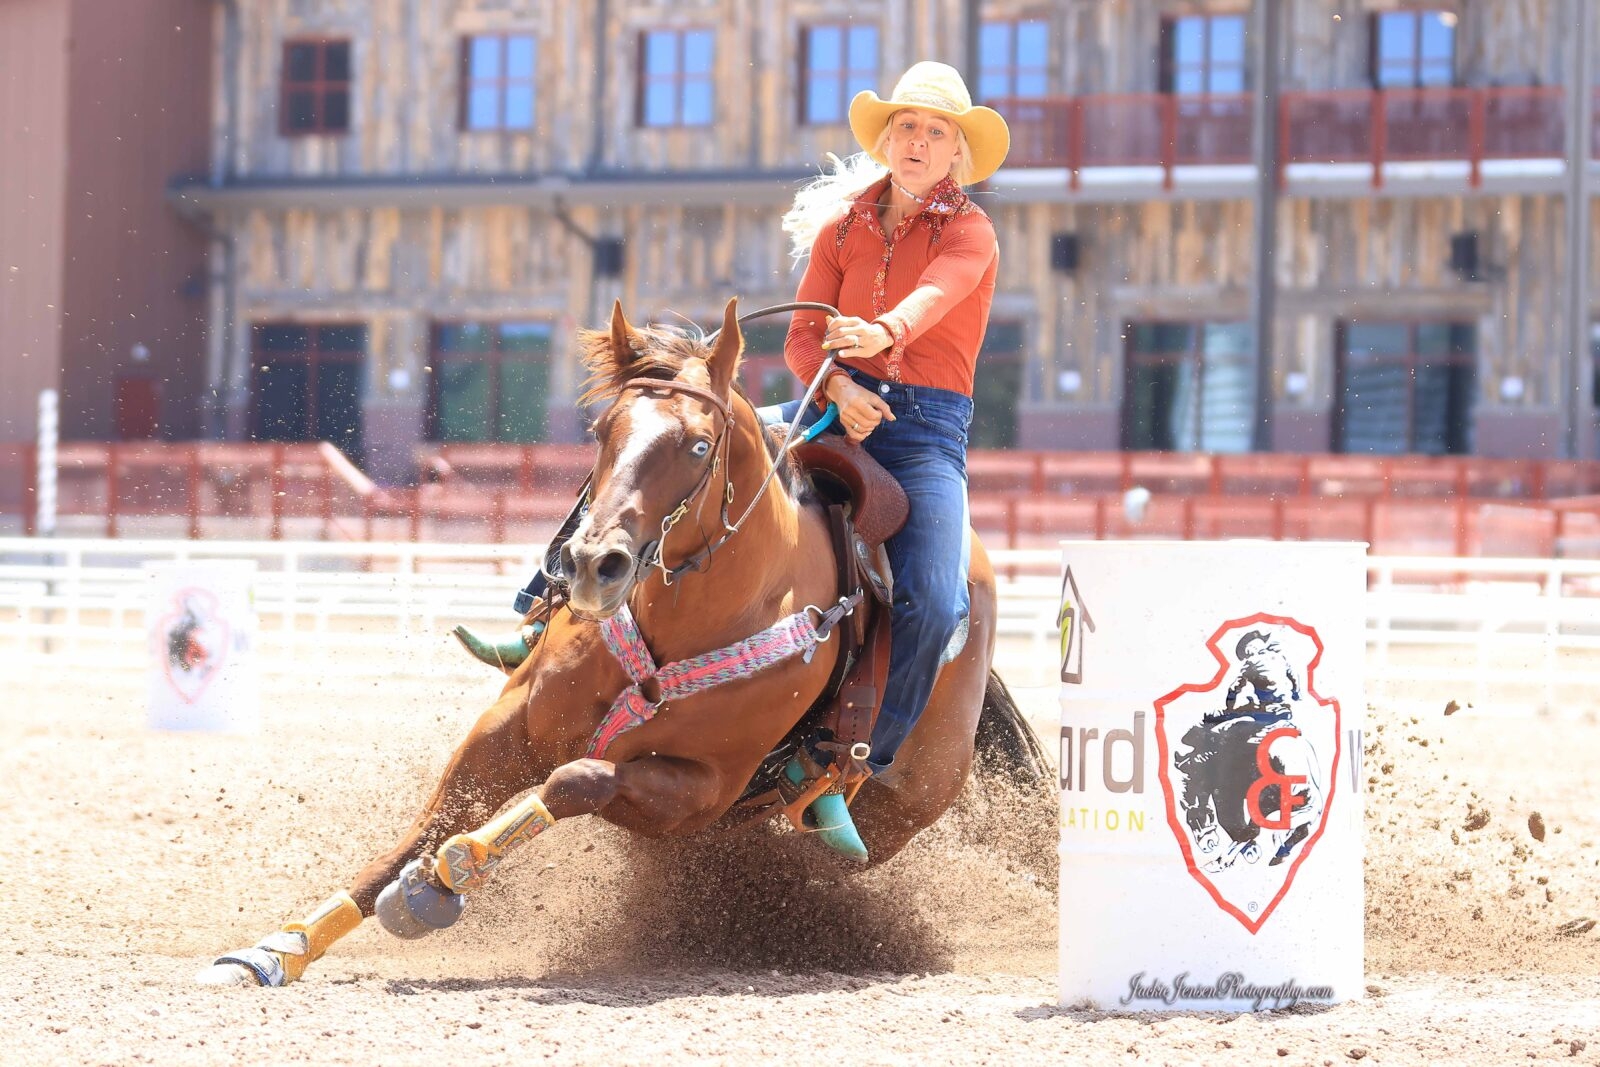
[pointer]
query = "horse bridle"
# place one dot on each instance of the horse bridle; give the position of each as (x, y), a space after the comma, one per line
(651, 555)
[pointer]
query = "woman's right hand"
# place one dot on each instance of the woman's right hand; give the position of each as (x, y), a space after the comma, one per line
(860, 410)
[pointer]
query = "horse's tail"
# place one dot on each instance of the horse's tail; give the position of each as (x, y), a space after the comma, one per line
(1005, 742)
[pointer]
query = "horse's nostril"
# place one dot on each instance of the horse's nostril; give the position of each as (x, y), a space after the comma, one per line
(569, 562)
(614, 567)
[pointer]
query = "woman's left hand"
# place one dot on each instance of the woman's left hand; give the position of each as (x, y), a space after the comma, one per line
(848, 337)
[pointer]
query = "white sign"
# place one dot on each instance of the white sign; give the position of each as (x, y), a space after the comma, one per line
(201, 624)
(1211, 722)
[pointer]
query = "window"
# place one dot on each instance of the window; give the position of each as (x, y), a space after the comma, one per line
(836, 63)
(1413, 49)
(997, 386)
(490, 381)
(306, 384)
(316, 87)
(497, 79)
(1405, 387)
(1190, 387)
(766, 377)
(1013, 59)
(1203, 54)
(675, 78)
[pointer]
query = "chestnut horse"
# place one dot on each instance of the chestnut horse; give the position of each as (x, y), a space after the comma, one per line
(681, 449)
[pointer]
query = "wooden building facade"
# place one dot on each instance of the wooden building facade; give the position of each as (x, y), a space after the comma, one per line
(415, 203)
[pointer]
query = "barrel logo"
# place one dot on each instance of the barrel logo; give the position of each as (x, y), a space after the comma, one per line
(1248, 762)
(195, 640)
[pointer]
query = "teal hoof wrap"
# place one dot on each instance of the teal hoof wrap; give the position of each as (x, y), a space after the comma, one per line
(830, 819)
(506, 653)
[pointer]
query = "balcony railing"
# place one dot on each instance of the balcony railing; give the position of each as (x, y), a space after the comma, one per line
(1354, 126)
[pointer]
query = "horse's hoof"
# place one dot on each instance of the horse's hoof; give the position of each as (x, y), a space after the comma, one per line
(224, 975)
(248, 967)
(410, 907)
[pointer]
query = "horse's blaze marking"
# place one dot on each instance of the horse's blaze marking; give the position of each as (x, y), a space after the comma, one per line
(648, 426)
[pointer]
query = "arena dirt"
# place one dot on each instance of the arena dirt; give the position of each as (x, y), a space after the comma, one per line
(137, 856)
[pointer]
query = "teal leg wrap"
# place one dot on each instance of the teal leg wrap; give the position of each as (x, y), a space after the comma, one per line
(830, 817)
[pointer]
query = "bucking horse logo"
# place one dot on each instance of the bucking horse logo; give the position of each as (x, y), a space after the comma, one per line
(196, 640)
(1248, 760)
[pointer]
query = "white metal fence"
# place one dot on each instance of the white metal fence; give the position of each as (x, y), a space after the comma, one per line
(1521, 634)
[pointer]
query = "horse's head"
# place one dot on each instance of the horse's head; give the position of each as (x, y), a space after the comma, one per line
(663, 452)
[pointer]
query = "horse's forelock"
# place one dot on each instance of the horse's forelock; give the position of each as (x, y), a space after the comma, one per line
(665, 351)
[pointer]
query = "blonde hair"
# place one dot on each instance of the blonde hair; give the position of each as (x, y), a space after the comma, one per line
(827, 196)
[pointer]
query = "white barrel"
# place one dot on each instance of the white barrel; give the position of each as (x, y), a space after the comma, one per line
(1211, 726)
(201, 622)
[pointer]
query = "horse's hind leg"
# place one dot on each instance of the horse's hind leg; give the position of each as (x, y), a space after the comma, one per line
(492, 765)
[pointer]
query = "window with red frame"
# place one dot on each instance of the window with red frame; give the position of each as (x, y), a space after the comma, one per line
(306, 383)
(1413, 49)
(497, 81)
(491, 381)
(315, 88)
(836, 63)
(675, 78)
(1013, 59)
(765, 376)
(1203, 54)
(1405, 387)
(1188, 387)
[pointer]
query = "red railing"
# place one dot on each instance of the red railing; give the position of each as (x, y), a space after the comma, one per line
(1151, 129)
(214, 488)
(1340, 126)
(1463, 505)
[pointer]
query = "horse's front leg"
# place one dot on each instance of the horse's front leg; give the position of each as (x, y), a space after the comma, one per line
(494, 764)
(654, 795)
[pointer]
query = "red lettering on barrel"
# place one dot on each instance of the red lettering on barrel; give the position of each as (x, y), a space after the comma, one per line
(1287, 799)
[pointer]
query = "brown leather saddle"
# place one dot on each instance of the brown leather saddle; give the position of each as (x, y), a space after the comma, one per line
(865, 506)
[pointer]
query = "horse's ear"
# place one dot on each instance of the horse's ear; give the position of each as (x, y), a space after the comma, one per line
(625, 346)
(724, 360)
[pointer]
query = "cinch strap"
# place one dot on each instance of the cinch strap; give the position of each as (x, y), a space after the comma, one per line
(787, 637)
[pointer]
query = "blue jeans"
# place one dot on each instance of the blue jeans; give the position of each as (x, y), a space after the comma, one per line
(925, 448)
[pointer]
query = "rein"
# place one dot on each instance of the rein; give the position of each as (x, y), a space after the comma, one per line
(652, 556)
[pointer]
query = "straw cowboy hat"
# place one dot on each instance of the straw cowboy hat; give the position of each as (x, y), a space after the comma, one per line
(938, 88)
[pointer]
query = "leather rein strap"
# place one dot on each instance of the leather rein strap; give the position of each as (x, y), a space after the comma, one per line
(653, 551)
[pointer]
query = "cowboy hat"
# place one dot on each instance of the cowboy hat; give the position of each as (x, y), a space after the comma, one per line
(938, 88)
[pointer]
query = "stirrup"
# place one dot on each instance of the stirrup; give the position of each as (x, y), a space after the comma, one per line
(507, 652)
(827, 813)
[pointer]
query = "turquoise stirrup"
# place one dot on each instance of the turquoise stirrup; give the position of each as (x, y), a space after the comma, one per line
(830, 816)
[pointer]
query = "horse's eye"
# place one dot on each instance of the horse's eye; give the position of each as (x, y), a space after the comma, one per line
(700, 448)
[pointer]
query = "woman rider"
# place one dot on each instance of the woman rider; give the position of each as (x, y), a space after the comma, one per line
(910, 262)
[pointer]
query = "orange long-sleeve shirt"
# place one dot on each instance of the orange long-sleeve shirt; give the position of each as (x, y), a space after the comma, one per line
(949, 253)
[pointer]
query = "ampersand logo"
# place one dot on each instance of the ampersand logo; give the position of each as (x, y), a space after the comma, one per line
(1248, 762)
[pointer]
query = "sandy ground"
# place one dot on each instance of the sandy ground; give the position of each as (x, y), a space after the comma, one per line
(141, 855)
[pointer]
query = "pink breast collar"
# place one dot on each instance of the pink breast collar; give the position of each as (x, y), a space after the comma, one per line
(795, 634)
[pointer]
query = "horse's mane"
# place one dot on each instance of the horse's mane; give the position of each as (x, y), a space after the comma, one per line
(665, 352)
